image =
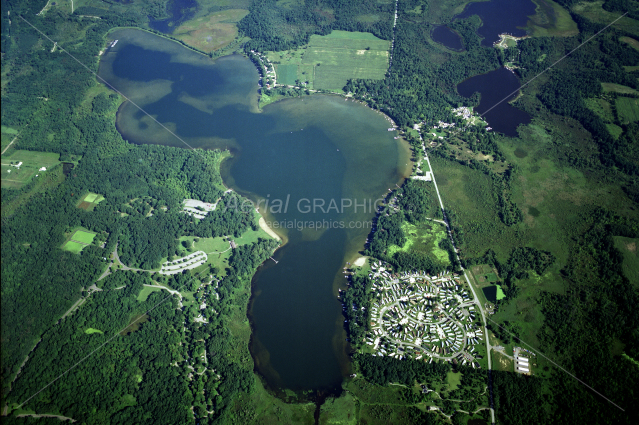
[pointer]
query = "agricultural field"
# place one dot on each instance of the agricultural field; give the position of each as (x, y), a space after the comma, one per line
(14, 176)
(627, 109)
(211, 32)
(78, 241)
(328, 62)
(89, 201)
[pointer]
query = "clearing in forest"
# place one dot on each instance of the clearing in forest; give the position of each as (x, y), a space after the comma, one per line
(328, 62)
(90, 200)
(78, 241)
(19, 167)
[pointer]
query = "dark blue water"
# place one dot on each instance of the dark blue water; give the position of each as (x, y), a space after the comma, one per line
(309, 150)
(496, 89)
(500, 17)
(449, 38)
(490, 292)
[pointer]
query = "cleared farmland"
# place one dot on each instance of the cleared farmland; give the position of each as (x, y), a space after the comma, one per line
(14, 176)
(328, 62)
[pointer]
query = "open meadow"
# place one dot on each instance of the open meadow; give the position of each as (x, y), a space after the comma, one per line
(32, 161)
(328, 62)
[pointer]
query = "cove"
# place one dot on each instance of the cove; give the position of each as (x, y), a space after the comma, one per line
(446, 36)
(493, 87)
(316, 153)
(500, 17)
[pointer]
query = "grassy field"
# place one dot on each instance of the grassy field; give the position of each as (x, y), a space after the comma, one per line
(628, 247)
(628, 109)
(145, 292)
(608, 87)
(551, 20)
(74, 247)
(327, 62)
(32, 161)
(631, 41)
(602, 108)
(83, 237)
(453, 380)
(594, 12)
(92, 331)
(211, 32)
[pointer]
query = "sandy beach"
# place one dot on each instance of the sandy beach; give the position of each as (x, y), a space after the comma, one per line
(268, 229)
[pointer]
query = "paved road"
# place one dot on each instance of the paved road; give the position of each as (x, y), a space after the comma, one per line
(477, 302)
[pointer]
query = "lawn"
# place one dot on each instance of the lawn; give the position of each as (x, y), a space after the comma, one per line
(74, 247)
(145, 292)
(328, 62)
(628, 109)
(453, 380)
(32, 161)
(83, 237)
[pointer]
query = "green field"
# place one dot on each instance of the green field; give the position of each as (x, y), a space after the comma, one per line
(628, 109)
(145, 292)
(594, 12)
(92, 331)
(32, 161)
(602, 108)
(453, 380)
(608, 87)
(552, 20)
(328, 62)
(83, 237)
(74, 247)
(628, 247)
(287, 74)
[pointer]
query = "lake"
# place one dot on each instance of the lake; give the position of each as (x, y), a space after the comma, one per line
(500, 17)
(493, 87)
(446, 36)
(316, 154)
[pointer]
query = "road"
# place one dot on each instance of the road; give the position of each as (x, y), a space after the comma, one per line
(477, 302)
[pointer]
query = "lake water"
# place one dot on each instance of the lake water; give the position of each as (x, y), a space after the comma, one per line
(493, 87)
(446, 36)
(316, 154)
(500, 17)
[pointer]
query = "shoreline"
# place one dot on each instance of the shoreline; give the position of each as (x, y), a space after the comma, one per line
(268, 230)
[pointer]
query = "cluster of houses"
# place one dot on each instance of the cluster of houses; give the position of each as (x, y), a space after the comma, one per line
(415, 315)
